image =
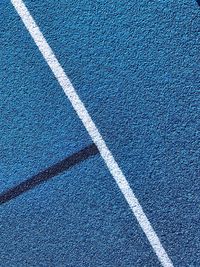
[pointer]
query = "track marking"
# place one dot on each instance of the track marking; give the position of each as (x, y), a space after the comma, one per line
(84, 116)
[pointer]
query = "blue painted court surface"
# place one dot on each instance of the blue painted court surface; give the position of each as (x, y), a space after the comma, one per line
(136, 67)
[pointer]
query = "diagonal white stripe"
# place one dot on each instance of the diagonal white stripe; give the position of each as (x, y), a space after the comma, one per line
(92, 130)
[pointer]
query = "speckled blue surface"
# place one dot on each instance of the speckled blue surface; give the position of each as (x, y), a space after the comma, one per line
(136, 66)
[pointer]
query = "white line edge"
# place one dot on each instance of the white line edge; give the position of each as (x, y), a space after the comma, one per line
(87, 121)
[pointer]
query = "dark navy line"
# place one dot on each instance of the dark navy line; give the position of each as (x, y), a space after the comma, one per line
(49, 173)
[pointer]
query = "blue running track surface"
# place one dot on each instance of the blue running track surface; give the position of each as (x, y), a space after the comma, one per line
(136, 67)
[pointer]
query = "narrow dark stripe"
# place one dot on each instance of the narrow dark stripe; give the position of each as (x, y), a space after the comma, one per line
(48, 173)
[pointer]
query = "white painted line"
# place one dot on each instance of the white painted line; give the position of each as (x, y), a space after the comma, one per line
(92, 130)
